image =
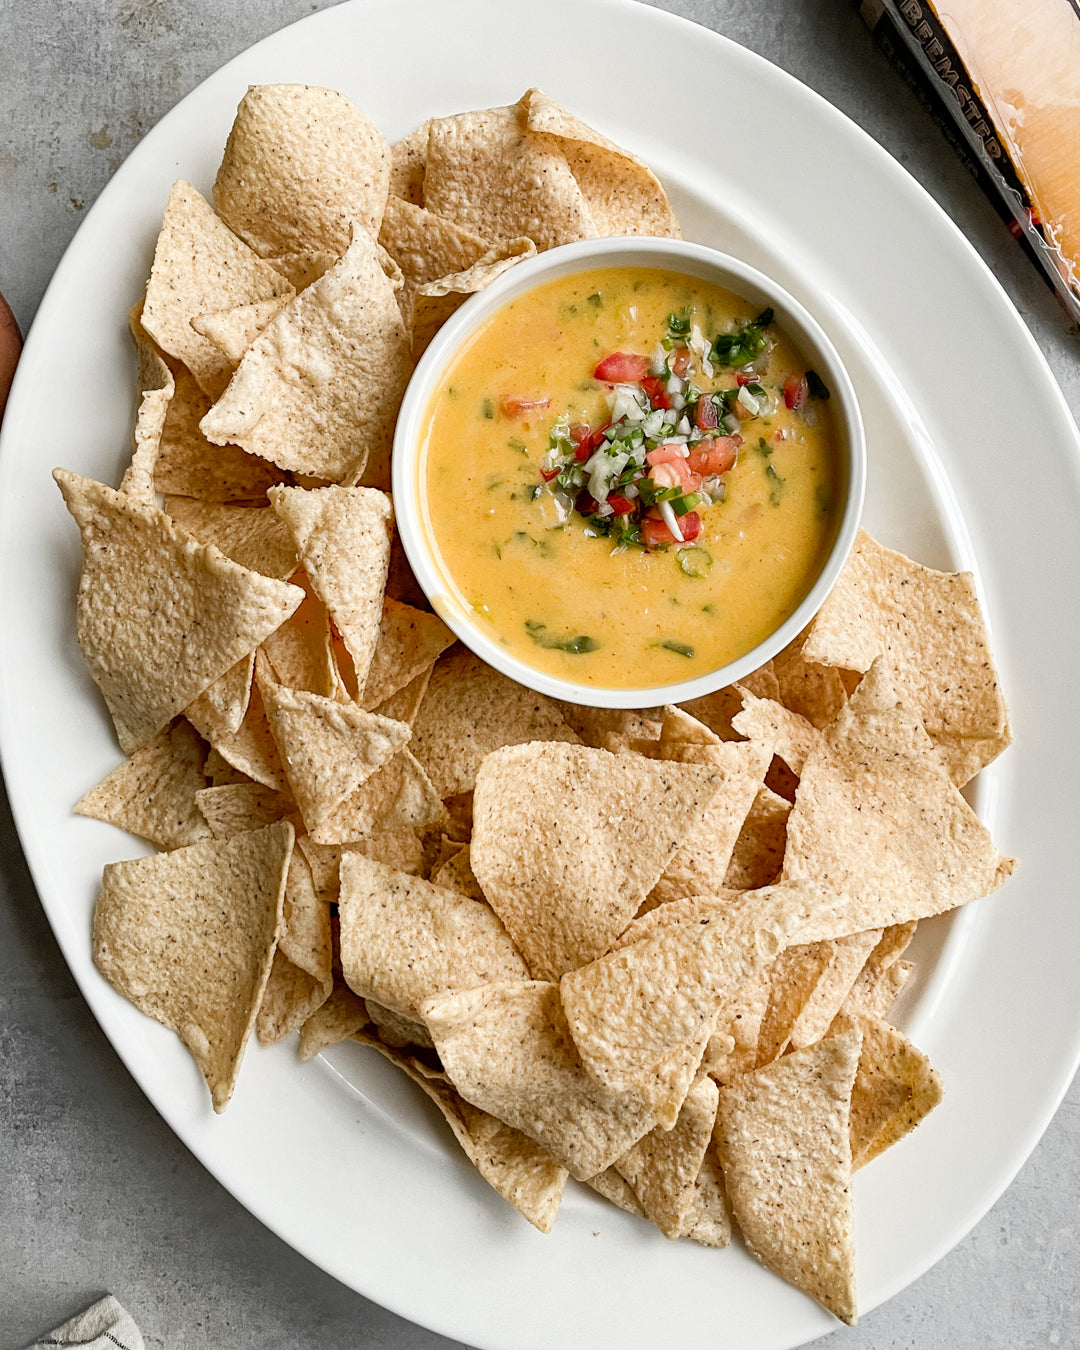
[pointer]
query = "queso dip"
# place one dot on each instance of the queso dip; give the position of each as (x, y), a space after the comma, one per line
(631, 476)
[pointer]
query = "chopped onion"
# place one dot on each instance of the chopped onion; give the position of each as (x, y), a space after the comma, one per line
(671, 521)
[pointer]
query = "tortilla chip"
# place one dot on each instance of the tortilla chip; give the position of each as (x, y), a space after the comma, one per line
(341, 1016)
(154, 793)
(895, 1088)
(254, 537)
(251, 748)
(398, 796)
(232, 331)
(187, 465)
(707, 1218)
(300, 651)
(792, 736)
(930, 628)
(404, 704)
(300, 269)
(425, 247)
(328, 749)
(567, 841)
(663, 1167)
(408, 163)
(878, 819)
(175, 616)
(629, 1010)
(404, 940)
(782, 1137)
(200, 266)
(701, 862)
(301, 166)
(396, 1031)
(508, 1051)
(469, 710)
(410, 642)
(758, 855)
(814, 691)
(733, 1048)
(434, 301)
(157, 386)
(343, 537)
(189, 938)
(229, 808)
(717, 709)
(489, 174)
(301, 979)
(318, 390)
(220, 709)
(809, 985)
(612, 729)
(510, 1162)
(624, 196)
(456, 873)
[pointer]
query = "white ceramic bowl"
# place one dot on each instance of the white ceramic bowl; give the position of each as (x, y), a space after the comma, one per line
(622, 251)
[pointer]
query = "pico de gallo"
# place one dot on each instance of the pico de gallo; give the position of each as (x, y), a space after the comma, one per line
(676, 423)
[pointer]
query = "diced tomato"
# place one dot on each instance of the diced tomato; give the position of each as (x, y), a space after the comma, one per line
(796, 391)
(622, 506)
(745, 377)
(586, 441)
(716, 454)
(622, 368)
(513, 405)
(658, 395)
(664, 454)
(548, 474)
(585, 503)
(706, 417)
(680, 361)
(654, 531)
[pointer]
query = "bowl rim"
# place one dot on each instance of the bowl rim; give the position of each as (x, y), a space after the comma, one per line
(693, 259)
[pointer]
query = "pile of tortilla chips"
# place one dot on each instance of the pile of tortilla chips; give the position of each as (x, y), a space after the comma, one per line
(652, 950)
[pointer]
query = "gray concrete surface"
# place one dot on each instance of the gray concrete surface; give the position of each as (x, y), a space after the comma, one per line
(96, 1193)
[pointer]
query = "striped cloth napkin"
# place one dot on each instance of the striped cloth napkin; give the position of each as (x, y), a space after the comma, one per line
(106, 1325)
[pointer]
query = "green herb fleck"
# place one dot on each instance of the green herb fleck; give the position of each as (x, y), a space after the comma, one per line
(776, 484)
(574, 645)
(764, 449)
(487, 409)
(596, 300)
(515, 443)
(679, 648)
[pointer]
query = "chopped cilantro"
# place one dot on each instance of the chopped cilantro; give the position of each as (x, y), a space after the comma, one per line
(596, 300)
(679, 648)
(515, 443)
(776, 484)
(487, 409)
(575, 645)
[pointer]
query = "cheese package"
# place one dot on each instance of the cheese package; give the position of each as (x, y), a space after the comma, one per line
(1004, 83)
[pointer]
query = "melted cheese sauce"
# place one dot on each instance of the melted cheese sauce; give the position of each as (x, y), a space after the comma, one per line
(543, 587)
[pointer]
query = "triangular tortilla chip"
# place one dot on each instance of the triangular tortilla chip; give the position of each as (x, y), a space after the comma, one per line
(930, 628)
(300, 651)
(758, 854)
(410, 642)
(488, 173)
(510, 1162)
(404, 940)
(301, 166)
(434, 301)
(254, 537)
(187, 465)
(229, 808)
(189, 938)
(200, 266)
(303, 267)
(232, 331)
(782, 1137)
(397, 796)
(319, 388)
(895, 1088)
(624, 196)
(507, 1050)
(343, 537)
(179, 614)
(341, 1016)
(157, 386)
(663, 1167)
(567, 842)
(469, 710)
(404, 704)
(251, 748)
(408, 161)
(629, 1010)
(154, 793)
(301, 979)
(328, 749)
(425, 247)
(220, 709)
(878, 819)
